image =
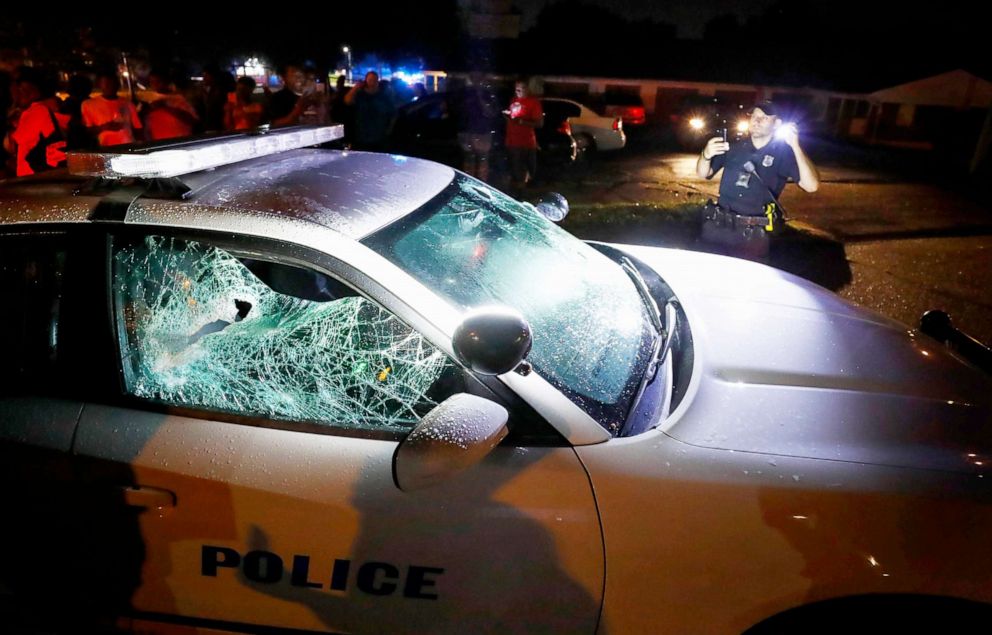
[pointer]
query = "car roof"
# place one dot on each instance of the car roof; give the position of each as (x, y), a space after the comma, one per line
(568, 100)
(584, 110)
(354, 193)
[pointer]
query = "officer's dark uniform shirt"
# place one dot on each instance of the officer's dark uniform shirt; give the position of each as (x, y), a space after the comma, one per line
(740, 190)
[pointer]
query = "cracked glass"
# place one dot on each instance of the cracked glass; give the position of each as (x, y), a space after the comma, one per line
(475, 246)
(200, 328)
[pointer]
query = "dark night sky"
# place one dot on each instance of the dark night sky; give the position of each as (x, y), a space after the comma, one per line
(845, 44)
(855, 39)
(689, 17)
(878, 19)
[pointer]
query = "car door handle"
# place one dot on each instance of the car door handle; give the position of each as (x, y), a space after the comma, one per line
(151, 498)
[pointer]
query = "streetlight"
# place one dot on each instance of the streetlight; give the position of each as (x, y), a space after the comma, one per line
(347, 51)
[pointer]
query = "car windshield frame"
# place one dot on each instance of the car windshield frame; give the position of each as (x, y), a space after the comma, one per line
(474, 246)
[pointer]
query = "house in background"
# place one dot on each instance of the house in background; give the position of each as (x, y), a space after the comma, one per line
(944, 112)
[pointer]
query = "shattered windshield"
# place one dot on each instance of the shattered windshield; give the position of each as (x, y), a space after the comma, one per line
(476, 246)
(198, 328)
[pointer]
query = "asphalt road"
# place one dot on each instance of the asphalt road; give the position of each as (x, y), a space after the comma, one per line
(890, 237)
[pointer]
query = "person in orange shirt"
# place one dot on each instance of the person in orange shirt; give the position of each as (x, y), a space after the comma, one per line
(108, 117)
(241, 112)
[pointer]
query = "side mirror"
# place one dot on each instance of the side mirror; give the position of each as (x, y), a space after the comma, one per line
(492, 340)
(458, 433)
(553, 206)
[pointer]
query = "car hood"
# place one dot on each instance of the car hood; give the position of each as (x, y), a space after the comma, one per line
(783, 366)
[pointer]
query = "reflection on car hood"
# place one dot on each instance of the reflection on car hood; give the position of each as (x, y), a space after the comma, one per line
(786, 367)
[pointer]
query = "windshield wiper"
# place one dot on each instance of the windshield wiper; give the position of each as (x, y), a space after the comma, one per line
(642, 289)
(659, 330)
(664, 333)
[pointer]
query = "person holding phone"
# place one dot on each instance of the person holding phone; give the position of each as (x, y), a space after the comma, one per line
(523, 117)
(755, 171)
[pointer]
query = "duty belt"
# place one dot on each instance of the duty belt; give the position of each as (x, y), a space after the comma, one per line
(723, 216)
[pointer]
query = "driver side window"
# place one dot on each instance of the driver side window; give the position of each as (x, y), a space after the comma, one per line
(201, 328)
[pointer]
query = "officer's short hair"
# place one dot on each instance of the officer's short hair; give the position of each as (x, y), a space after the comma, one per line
(768, 107)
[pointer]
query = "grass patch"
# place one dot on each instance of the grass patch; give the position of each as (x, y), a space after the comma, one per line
(798, 249)
(676, 226)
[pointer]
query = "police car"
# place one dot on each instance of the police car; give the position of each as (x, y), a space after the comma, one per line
(250, 385)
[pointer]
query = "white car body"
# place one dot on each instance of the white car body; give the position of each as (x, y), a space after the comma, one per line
(817, 452)
(606, 133)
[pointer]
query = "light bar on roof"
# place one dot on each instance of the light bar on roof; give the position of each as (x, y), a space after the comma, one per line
(197, 155)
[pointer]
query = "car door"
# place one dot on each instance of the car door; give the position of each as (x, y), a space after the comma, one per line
(53, 353)
(264, 406)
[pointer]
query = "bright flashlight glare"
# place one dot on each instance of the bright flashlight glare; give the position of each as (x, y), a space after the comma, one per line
(783, 129)
(742, 125)
(696, 123)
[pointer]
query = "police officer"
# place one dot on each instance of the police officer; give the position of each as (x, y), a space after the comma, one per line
(754, 173)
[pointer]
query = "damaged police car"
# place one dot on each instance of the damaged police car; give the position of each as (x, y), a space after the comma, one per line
(249, 385)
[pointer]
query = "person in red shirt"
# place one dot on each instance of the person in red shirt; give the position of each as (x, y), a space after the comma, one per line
(168, 115)
(523, 116)
(38, 141)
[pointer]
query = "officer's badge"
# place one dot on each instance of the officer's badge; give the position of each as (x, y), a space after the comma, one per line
(743, 179)
(768, 160)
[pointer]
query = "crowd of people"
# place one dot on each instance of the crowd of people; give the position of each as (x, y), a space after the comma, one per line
(43, 124)
(45, 120)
